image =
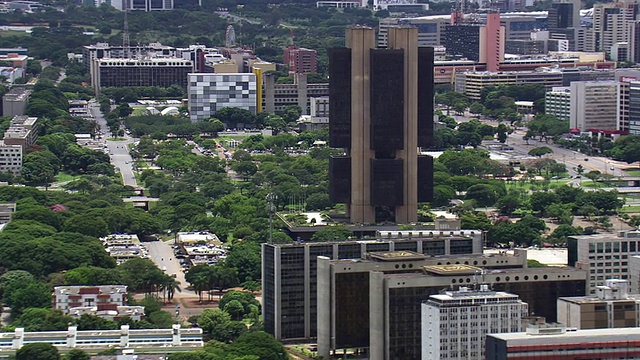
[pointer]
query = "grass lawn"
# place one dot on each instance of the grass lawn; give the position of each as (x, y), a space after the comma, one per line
(537, 184)
(630, 209)
(635, 172)
(116, 139)
(62, 177)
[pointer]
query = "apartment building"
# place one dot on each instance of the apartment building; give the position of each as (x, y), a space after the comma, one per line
(23, 131)
(10, 158)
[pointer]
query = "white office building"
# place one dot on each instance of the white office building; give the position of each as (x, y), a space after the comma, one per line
(604, 256)
(557, 102)
(210, 92)
(594, 105)
(455, 324)
(10, 158)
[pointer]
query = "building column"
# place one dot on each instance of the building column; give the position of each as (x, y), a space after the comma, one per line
(361, 40)
(324, 306)
(124, 335)
(376, 315)
(175, 335)
(72, 336)
(406, 38)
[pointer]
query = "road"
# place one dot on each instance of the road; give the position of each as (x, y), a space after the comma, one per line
(162, 254)
(118, 150)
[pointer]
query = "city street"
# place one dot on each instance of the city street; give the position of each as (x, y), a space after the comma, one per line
(162, 255)
(118, 150)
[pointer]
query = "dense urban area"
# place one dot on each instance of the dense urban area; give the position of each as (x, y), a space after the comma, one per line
(266, 180)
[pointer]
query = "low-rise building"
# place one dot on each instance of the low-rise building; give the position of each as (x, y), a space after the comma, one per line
(14, 102)
(104, 297)
(162, 72)
(123, 338)
(612, 307)
(10, 158)
(23, 131)
(114, 313)
(554, 341)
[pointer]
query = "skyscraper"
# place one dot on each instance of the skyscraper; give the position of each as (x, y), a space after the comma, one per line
(492, 38)
(381, 111)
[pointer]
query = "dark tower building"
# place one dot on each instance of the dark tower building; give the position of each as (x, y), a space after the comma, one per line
(381, 112)
(561, 16)
(463, 40)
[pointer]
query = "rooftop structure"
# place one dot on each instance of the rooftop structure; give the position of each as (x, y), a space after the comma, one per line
(201, 237)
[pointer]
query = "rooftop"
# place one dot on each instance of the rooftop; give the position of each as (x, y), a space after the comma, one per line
(602, 335)
(397, 255)
(459, 269)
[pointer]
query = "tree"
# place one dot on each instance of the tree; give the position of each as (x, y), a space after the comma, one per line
(483, 194)
(476, 108)
(260, 344)
(332, 233)
(540, 151)
(29, 295)
(38, 351)
(593, 175)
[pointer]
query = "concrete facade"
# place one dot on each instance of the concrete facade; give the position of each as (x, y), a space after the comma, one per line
(208, 93)
(375, 305)
(612, 307)
(594, 105)
(14, 103)
(604, 256)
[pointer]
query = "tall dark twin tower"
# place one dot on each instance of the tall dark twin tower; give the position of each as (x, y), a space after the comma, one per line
(381, 113)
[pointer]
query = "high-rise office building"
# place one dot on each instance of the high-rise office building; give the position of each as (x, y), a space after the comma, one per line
(381, 112)
(492, 38)
(455, 324)
(594, 105)
(462, 41)
(300, 60)
(289, 273)
(375, 304)
(611, 23)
